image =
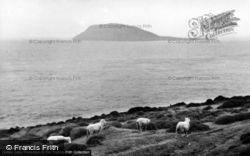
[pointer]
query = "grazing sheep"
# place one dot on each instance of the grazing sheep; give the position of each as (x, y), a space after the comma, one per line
(183, 126)
(142, 121)
(59, 138)
(97, 127)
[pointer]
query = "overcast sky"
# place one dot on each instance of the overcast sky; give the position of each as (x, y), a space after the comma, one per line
(26, 19)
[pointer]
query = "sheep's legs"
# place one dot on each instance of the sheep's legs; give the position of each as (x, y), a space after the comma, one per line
(99, 130)
(87, 133)
(138, 127)
(186, 133)
(176, 132)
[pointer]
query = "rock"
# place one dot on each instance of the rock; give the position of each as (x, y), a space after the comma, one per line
(115, 124)
(164, 124)
(178, 104)
(4, 133)
(193, 105)
(54, 130)
(245, 138)
(227, 119)
(114, 113)
(78, 132)
(95, 140)
(57, 142)
(220, 99)
(209, 102)
(13, 130)
(233, 103)
(82, 123)
(29, 136)
(196, 125)
(143, 109)
(140, 113)
(245, 152)
(65, 131)
(74, 147)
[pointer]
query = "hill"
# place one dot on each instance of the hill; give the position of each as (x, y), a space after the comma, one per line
(118, 32)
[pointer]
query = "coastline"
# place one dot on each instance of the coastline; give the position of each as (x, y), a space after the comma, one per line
(206, 117)
(140, 108)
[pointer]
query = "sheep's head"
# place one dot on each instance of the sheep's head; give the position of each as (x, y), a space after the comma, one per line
(68, 139)
(187, 119)
(103, 122)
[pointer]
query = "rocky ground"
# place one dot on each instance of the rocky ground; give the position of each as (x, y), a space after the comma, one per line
(219, 126)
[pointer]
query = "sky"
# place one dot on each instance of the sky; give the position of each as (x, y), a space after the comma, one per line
(32, 19)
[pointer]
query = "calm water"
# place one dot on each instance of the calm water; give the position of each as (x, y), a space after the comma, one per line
(42, 83)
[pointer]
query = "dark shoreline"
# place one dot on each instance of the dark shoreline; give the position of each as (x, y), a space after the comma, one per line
(216, 100)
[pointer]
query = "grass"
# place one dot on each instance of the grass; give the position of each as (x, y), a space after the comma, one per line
(194, 114)
(208, 108)
(129, 143)
(65, 131)
(118, 147)
(74, 147)
(227, 119)
(115, 124)
(198, 126)
(52, 131)
(95, 140)
(245, 138)
(245, 152)
(119, 139)
(152, 151)
(130, 125)
(169, 125)
(78, 132)
(233, 103)
(157, 150)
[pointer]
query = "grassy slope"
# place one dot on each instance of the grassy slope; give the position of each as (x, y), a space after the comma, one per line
(219, 140)
(122, 138)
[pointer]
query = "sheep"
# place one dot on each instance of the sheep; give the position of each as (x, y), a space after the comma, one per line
(59, 138)
(97, 127)
(183, 126)
(142, 121)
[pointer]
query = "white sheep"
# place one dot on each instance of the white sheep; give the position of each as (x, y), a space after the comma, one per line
(142, 121)
(59, 138)
(183, 126)
(97, 127)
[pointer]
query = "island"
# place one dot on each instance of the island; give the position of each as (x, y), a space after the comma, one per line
(119, 32)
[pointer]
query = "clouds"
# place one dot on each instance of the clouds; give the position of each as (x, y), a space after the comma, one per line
(66, 18)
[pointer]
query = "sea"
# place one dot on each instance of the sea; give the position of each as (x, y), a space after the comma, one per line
(50, 82)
